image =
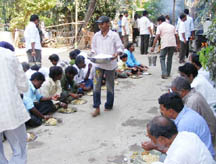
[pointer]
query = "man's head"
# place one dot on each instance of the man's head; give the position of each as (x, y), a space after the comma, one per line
(7, 45)
(54, 58)
(188, 71)
(126, 13)
(161, 130)
(186, 11)
(130, 47)
(123, 57)
(145, 13)
(34, 18)
(35, 67)
(55, 73)
(183, 17)
(171, 105)
(120, 16)
(181, 85)
(25, 66)
(194, 58)
(70, 72)
(80, 62)
(161, 19)
(103, 23)
(73, 54)
(37, 79)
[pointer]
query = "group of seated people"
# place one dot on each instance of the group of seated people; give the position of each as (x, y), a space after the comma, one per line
(186, 130)
(55, 87)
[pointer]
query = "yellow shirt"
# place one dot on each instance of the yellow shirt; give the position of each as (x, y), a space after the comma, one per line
(122, 65)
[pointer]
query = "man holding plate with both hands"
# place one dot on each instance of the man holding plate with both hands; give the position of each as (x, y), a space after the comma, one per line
(105, 42)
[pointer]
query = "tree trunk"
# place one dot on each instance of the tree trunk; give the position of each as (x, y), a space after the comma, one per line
(173, 17)
(88, 15)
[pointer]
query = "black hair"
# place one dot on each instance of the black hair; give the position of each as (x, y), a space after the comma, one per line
(125, 12)
(71, 70)
(79, 59)
(161, 18)
(129, 45)
(186, 11)
(120, 15)
(167, 17)
(37, 76)
(188, 69)
(124, 55)
(182, 16)
(195, 59)
(34, 18)
(145, 13)
(166, 129)
(35, 67)
(54, 57)
(55, 71)
(73, 54)
(136, 16)
(25, 66)
(171, 101)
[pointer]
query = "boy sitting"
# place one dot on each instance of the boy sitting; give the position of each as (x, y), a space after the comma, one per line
(54, 59)
(69, 87)
(123, 70)
(73, 54)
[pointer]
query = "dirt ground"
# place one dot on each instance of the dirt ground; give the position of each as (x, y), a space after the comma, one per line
(109, 138)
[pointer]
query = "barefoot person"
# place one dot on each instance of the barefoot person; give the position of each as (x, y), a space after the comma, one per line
(105, 42)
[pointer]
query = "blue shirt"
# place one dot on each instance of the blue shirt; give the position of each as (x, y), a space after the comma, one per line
(131, 60)
(31, 96)
(190, 121)
(120, 26)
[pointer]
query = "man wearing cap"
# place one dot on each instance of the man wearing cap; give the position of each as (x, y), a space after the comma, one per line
(109, 43)
(125, 28)
(32, 41)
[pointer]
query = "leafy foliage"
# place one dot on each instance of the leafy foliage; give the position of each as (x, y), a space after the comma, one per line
(153, 9)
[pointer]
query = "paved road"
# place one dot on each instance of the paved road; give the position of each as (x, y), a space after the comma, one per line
(107, 139)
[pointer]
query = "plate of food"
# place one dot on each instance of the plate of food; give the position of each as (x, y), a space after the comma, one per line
(67, 110)
(79, 102)
(53, 121)
(135, 76)
(144, 157)
(101, 58)
(90, 93)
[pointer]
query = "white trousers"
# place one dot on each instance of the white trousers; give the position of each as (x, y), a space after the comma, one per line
(17, 139)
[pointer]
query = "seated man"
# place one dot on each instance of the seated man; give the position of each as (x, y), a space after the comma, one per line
(131, 61)
(52, 86)
(73, 54)
(194, 59)
(54, 59)
(123, 71)
(200, 83)
(37, 105)
(85, 84)
(28, 71)
(180, 147)
(186, 119)
(194, 100)
(69, 87)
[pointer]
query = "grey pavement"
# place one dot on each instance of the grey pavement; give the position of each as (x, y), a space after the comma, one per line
(112, 136)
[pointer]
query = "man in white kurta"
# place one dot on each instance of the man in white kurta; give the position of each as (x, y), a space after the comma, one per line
(13, 114)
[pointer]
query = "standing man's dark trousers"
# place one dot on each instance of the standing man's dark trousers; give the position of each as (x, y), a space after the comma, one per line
(34, 59)
(144, 44)
(183, 51)
(187, 49)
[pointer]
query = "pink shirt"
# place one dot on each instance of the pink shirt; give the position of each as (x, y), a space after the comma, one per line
(167, 34)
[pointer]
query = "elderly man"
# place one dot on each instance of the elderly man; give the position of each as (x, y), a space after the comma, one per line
(32, 41)
(168, 36)
(105, 42)
(13, 114)
(194, 100)
(180, 147)
(200, 83)
(186, 119)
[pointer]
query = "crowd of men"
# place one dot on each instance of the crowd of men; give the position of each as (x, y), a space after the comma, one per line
(186, 130)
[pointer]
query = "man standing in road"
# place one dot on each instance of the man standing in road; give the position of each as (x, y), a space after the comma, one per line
(105, 42)
(168, 36)
(125, 29)
(13, 114)
(33, 42)
(144, 26)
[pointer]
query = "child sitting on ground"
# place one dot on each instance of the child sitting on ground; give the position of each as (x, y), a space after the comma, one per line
(73, 54)
(123, 70)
